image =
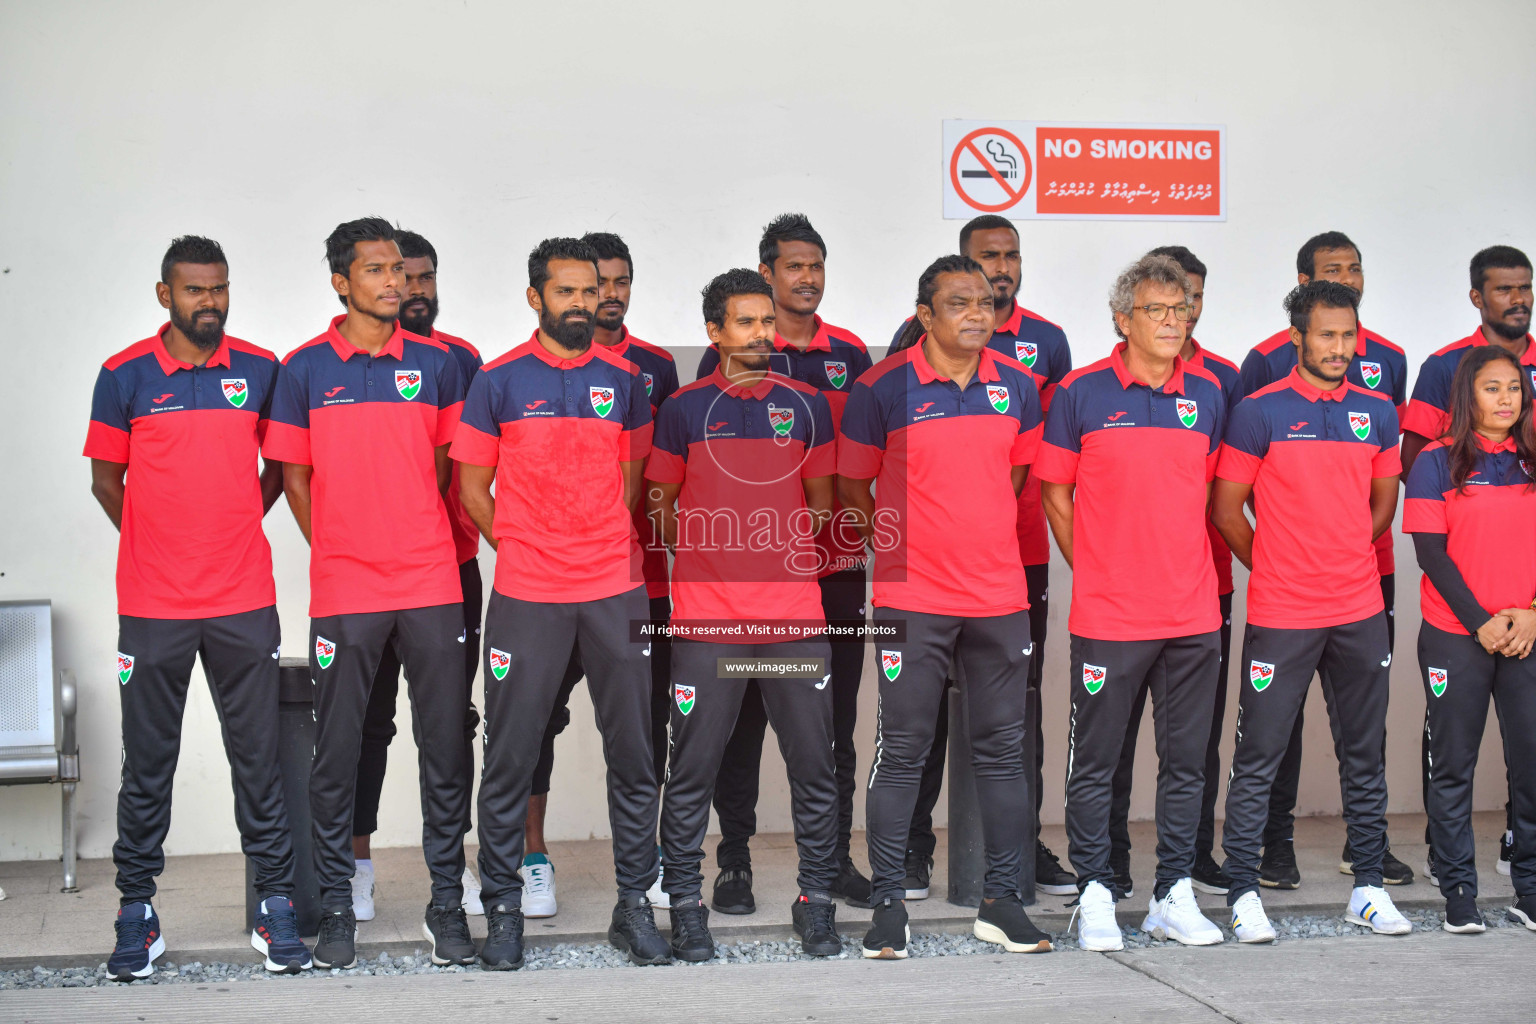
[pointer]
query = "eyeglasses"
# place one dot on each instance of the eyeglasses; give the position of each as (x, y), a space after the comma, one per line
(1157, 312)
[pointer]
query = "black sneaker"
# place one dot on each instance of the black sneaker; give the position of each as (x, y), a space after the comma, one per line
(1278, 869)
(337, 944)
(277, 936)
(691, 940)
(1506, 852)
(139, 943)
(634, 931)
(1004, 922)
(733, 892)
(815, 919)
(448, 930)
(1393, 871)
(1524, 912)
(1461, 913)
(503, 949)
(1050, 877)
(851, 887)
(919, 876)
(888, 932)
(1122, 888)
(1431, 869)
(1208, 876)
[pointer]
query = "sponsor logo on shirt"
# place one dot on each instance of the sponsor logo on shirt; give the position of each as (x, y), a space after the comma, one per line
(602, 399)
(1360, 423)
(685, 696)
(997, 394)
(235, 390)
(890, 664)
(338, 389)
(1261, 674)
(124, 668)
(781, 418)
(1093, 678)
(499, 661)
(1188, 410)
(325, 651)
(1370, 373)
(1439, 678)
(837, 372)
(162, 398)
(1026, 352)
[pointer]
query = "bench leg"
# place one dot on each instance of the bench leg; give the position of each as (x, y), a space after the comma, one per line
(69, 838)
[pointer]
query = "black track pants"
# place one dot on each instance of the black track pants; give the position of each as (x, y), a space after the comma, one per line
(528, 650)
(704, 710)
(1273, 677)
(992, 668)
(239, 655)
(343, 667)
(1106, 676)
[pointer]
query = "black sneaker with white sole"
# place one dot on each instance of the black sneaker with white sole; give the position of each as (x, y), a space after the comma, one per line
(1461, 913)
(337, 944)
(815, 920)
(634, 931)
(447, 928)
(691, 940)
(1121, 885)
(1004, 922)
(503, 948)
(1506, 852)
(888, 932)
(733, 892)
(919, 876)
(851, 886)
(1393, 871)
(1524, 912)
(1431, 869)
(1278, 870)
(139, 943)
(1050, 877)
(1208, 876)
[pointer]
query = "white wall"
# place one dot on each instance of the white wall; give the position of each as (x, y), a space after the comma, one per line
(489, 126)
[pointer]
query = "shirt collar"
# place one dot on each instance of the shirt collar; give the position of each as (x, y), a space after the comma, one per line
(1315, 394)
(622, 345)
(820, 341)
(1174, 385)
(395, 346)
(1506, 445)
(1528, 359)
(1011, 325)
(553, 360)
(986, 370)
(758, 391)
(170, 364)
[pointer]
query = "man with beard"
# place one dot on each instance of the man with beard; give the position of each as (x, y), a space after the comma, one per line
(418, 315)
(792, 257)
(562, 427)
(993, 242)
(187, 408)
(362, 421)
(615, 272)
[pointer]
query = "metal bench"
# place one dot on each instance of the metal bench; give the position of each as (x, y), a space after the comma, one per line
(37, 712)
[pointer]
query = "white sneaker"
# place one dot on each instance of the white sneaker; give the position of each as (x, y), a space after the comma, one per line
(362, 891)
(471, 903)
(1249, 921)
(1097, 931)
(538, 886)
(656, 894)
(1371, 907)
(1177, 916)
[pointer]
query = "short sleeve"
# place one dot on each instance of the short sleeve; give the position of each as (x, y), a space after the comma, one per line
(821, 456)
(1026, 444)
(287, 437)
(707, 362)
(1246, 444)
(269, 394)
(450, 398)
(107, 436)
(1387, 461)
(862, 448)
(635, 441)
(859, 363)
(1061, 441)
(1427, 413)
(668, 462)
(1424, 494)
(667, 386)
(477, 438)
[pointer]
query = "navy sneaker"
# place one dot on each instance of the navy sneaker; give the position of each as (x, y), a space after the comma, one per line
(139, 943)
(277, 935)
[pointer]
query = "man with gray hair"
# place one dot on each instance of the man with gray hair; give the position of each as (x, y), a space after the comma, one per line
(1125, 467)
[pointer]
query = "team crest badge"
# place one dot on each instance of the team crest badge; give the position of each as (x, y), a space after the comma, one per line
(1093, 678)
(1260, 674)
(650, 383)
(997, 394)
(1525, 467)
(325, 651)
(1370, 373)
(837, 373)
(1360, 423)
(890, 664)
(235, 390)
(602, 400)
(1438, 679)
(684, 695)
(1188, 410)
(500, 662)
(408, 383)
(781, 418)
(124, 667)
(1026, 352)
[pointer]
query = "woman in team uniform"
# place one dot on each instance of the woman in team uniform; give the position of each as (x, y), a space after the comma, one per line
(1471, 502)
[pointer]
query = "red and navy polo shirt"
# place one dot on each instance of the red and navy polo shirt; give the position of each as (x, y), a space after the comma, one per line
(1378, 366)
(1311, 456)
(833, 360)
(556, 430)
(1141, 459)
(191, 545)
(370, 425)
(466, 536)
(745, 549)
(1487, 527)
(1429, 412)
(659, 372)
(1229, 377)
(941, 457)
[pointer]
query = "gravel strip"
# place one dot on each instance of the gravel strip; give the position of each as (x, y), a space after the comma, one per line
(567, 957)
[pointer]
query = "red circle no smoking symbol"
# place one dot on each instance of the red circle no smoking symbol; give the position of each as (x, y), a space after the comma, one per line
(996, 171)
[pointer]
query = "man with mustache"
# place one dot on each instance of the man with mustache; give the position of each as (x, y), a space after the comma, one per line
(362, 420)
(562, 427)
(792, 257)
(186, 409)
(418, 315)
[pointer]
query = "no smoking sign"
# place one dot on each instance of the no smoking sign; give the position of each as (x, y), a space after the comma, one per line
(989, 170)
